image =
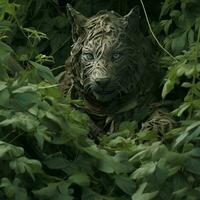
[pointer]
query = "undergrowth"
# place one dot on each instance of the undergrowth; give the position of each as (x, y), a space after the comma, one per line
(45, 151)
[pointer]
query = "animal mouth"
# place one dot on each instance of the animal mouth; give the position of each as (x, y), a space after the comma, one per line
(105, 92)
(101, 94)
(105, 95)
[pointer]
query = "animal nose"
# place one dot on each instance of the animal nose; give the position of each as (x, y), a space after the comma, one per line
(102, 82)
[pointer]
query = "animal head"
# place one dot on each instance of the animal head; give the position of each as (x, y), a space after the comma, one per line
(110, 56)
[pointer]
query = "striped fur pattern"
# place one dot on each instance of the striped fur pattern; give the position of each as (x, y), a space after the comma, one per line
(111, 60)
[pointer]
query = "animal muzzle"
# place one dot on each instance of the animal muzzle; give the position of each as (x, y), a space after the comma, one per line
(102, 83)
(103, 89)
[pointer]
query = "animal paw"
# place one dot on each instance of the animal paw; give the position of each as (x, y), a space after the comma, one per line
(160, 122)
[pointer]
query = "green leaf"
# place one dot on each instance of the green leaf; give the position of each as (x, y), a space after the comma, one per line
(3, 85)
(8, 151)
(44, 72)
(167, 6)
(22, 165)
(13, 190)
(127, 125)
(7, 58)
(178, 43)
(79, 117)
(48, 191)
(168, 87)
(166, 25)
(147, 135)
(195, 152)
(54, 118)
(89, 194)
(192, 132)
(41, 135)
(21, 120)
(57, 162)
(106, 163)
(125, 184)
(80, 179)
(190, 36)
(140, 195)
(4, 97)
(181, 193)
(5, 51)
(27, 88)
(144, 170)
(25, 100)
(182, 108)
(56, 191)
(193, 165)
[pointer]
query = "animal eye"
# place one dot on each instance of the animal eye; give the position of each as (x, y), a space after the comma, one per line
(88, 56)
(116, 56)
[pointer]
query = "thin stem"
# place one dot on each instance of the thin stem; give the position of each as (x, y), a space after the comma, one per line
(150, 29)
(7, 135)
(11, 141)
(59, 67)
(63, 44)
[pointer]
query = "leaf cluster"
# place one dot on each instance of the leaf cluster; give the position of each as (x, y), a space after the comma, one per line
(45, 151)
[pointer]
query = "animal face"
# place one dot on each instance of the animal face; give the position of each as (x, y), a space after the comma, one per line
(109, 54)
(104, 61)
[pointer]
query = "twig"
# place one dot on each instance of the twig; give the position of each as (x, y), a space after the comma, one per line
(150, 29)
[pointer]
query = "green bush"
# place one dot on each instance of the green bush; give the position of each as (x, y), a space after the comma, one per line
(45, 151)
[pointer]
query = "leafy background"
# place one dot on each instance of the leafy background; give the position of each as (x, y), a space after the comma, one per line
(45, 151)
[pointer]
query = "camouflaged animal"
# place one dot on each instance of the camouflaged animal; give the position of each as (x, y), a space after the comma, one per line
(112, 65)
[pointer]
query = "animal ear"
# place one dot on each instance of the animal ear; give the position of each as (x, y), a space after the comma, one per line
(77, 20)
(133, 17)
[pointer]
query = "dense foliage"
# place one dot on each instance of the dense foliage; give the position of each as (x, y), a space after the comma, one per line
(45, 151)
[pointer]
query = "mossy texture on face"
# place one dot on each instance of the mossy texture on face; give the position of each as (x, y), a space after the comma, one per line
(111, 61)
